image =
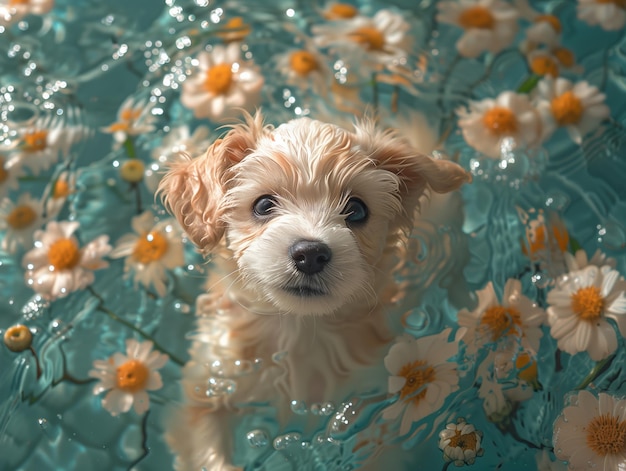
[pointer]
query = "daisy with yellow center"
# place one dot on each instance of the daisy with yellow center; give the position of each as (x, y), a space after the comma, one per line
(62, 188)
(380, 40)
(578, 107)
(235, 29)
(608, 14)
(340, 11)
(421, 375)
(460, 443)
(544, 31)
(222, 85)
(488, 25)
(498, 321)
(58, 265)
(590, 433)
(305, 68)
(154, 248)
(127, 378)
(494, 126)
(20, 220)
(134, 118)
(12, 11)
(580, 304)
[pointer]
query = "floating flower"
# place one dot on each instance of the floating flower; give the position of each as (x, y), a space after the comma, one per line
(608, 14)
(178, 141)
(223, 85)
(153, 249)
(12, 11)
(339, 11)
(515, 318)
(591, 433)
(18, 338)
(492, 126)
(495, 404)
(20, 220)
(235, 29)
(579, 107)
(134, 118)
(545, 30)
(305, 68)
(58, 265)
(62, 188)
(546, 237)
(550, 62)
(580, 260)
(460, 442)
(132, 170)
(422, 375)
(382, 39)
(129, 377)
(9, 174)
(489, 25)
(580, 304)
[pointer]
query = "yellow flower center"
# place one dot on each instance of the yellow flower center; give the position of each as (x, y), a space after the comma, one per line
(417, 374)
(18, 338)
(303, 62)
(544, 65)
(35, 141)
(564, 56)
(538, 240)
(61, 189)
(465, 441)
(130, 114)
(527, 368)
(4, 174)
(21, 217)
(64, 254)
(551, 20)
(341, 11)
(132, 171)
(218, 79)
(369, 37)
(476, 17)
(606, 435)
(236, 30)
(567, 108)
(132, 376)
(500, 121)
(501, 321)
(150, 248)
(588, 303)
(619, 3)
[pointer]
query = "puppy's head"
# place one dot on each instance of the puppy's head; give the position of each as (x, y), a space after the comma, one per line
(306, 209)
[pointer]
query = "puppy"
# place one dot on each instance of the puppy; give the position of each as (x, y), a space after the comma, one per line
(303, 222)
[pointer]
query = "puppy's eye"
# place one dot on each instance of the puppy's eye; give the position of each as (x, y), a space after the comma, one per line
(263, 206)
(356, 211)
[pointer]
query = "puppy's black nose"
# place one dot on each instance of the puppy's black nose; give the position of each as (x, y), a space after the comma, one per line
(310, 256)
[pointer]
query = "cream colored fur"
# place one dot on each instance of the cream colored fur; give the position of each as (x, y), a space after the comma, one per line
(330, 344)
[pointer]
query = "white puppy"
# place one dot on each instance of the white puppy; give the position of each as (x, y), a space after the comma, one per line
(303, 222)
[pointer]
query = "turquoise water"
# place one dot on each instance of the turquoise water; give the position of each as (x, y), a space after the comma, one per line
(66, 71)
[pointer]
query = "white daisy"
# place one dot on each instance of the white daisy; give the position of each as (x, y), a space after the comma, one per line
(10, 172)
(580, 260)
(305, 68)
(223, 84)
(20, 220)
(591, 433)
(153, 249)
(178, 141)
(133, 119)
(545, 30)
(550, 62)
(489, 25)
(460, 442)
(580, 304)
(493, 322)
(608, 14)
(129, 377)
(382, 39)
(496, 406)
(422, 375)
(339, 11)
(12, 11)
(62, 188)
(579, 107)
(58, 265)
(494, 126)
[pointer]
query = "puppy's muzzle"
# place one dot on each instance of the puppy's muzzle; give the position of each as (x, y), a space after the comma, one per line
(310, 256)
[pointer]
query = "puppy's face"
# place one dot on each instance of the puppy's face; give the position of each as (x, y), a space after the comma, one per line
(305, 209)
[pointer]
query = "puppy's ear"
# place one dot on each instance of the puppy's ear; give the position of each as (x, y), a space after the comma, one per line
(193, 189)
(417, 172)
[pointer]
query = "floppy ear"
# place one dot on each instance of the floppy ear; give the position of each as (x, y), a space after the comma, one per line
(193, 189)
(417, 172)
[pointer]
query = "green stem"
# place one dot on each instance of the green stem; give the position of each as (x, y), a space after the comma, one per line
(529, 84)
(129, 147)
(115, 317)
(596, 370)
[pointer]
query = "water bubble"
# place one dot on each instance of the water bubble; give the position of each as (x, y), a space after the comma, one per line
(557, 201)
(43, 423)
(299, 407)
(612, 235)
(220, 387)
(540, 279)
(327, 408)
(286, 440)
(257, 438)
